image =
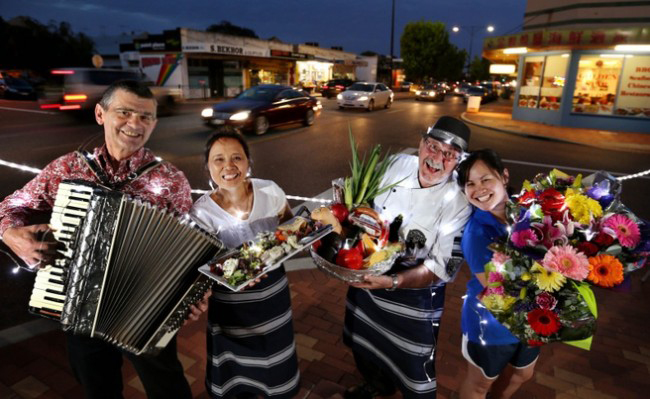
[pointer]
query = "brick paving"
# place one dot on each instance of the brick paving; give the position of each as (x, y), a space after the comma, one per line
(618, 366)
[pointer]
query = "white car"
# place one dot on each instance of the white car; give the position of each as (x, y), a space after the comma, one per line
(368, 95)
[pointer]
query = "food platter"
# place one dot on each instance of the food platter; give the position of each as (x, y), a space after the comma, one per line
(266, 253)
(352, 275)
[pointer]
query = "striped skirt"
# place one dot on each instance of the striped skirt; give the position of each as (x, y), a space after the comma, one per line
(397, 331)
(250, 341)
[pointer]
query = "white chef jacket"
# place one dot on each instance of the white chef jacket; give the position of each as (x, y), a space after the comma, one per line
(433, 217)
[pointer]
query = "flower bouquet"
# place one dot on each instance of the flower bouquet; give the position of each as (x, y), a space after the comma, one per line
(565, 234)
(361, 242)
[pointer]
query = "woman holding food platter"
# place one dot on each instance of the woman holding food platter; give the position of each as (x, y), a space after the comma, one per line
(250, 339)
(497, 361)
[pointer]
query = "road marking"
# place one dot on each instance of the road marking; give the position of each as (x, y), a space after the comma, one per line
(29, 110)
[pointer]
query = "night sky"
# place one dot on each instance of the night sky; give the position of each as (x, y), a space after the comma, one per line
(356, 25)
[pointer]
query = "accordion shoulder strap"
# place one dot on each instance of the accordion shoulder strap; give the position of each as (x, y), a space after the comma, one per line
(103, 178)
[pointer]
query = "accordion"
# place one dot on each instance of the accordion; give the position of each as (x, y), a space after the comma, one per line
(128, 271)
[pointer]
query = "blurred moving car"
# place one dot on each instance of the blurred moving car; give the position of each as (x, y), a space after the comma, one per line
(366, 95)
(479, 91)
(16, 89)
(258, 108)
(431, 92)
(79, 89)
(335, 86)
(461, 89)
(405, 86)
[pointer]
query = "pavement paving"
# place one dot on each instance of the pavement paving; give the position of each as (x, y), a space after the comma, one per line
(33, 361)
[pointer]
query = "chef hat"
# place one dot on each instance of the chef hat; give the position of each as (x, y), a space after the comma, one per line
(450, 130)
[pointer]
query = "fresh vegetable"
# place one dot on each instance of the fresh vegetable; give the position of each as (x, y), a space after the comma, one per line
(363, 185)
(350, 258)
(325, 216)
(340, 211)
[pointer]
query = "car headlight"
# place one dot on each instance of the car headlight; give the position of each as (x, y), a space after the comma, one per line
(418, 92)
(363, 98)
(432, 93)
(339, 97)
(207, 113)
(240, 116)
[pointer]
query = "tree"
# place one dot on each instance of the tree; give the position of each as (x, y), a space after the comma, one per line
(428, 54)
(479, 69)
(28, 44)
(227, 28)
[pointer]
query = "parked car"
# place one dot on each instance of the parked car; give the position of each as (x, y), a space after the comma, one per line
(261, 107)
(368, 95)
(479, 91)
(77, 90)
(16, 89)
(335, 86)
(431, 92)
(405, 86)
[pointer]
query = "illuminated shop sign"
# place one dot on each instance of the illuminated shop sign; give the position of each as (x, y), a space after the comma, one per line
(569, 37)
(226, 49)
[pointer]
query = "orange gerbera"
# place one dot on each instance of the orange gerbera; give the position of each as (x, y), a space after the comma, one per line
(605, 270)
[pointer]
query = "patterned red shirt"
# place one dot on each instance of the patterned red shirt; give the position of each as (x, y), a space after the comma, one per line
(164, 186)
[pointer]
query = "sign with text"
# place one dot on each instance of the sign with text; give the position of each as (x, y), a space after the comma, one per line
(569, 38)
(634, 92)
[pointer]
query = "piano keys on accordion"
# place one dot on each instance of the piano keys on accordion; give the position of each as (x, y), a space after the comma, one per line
(127, 273)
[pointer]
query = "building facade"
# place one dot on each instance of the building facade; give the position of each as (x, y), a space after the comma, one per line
(205, 65)
(580, 64)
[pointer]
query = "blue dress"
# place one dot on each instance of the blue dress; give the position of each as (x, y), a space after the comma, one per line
(481, 230)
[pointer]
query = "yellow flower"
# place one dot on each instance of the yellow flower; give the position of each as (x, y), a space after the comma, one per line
(525, 276)
(546, 279)
(498, 303)
(582, 208)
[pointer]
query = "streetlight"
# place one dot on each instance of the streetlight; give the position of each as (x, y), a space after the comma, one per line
(472, 29)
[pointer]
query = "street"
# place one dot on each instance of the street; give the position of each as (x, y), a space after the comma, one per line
(302, 160)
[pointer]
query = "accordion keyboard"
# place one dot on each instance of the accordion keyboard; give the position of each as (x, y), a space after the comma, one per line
(48, 295)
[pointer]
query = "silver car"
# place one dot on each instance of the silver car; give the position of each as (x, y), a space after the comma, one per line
(368, 95)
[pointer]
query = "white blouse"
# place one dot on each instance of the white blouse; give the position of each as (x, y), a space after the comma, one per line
(268, 202)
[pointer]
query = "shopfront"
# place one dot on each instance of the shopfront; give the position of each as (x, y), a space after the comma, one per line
(586, 79)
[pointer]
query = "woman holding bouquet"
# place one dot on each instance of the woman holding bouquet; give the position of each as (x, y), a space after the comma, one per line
(250, 341)
(497, 360)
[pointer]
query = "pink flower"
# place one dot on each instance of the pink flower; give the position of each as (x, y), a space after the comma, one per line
(626, 230)
(567, 261)
(495, 284)
(546, 301)
(549, 234)
(523, 238)
(500, 259)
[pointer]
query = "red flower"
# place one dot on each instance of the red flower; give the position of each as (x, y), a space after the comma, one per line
(544, 322)
(534, 342)
(527, 198)
(546, 301)
(552, 202)
(588, 248)
(603, 240)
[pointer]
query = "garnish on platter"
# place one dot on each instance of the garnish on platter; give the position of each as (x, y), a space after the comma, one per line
(359, 243)
(238, 267)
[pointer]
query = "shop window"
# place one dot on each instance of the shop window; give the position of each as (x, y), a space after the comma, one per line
(531, 83)
(634, 95)
(553, 82)
(596, 84)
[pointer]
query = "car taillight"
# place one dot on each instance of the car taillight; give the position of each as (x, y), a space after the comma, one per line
(325, 87)
(75, 97)
(339, 87)
(50, 106)
(68, 107)
(62, 72)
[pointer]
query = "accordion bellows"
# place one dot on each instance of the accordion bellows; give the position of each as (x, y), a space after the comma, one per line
(130, 270)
